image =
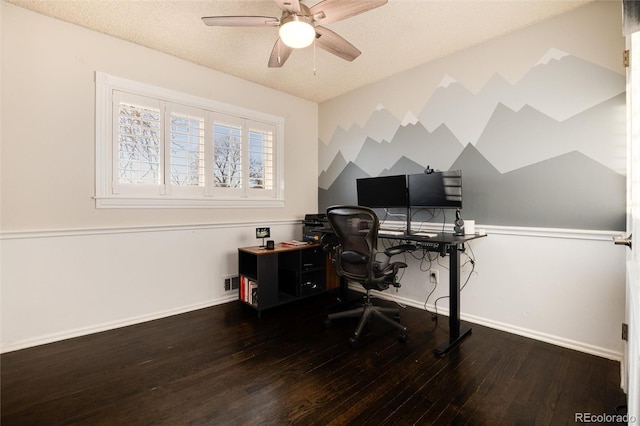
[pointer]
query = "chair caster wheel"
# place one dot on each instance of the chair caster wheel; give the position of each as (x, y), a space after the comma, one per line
(327, 323)
(353, 342)
(402, 337)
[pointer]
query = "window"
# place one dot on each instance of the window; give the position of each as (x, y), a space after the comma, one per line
(160, 148)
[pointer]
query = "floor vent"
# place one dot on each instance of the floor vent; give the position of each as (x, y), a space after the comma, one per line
(231, 283)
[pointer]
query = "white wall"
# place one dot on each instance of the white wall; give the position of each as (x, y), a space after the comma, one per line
(62, 284)
(48, 136)
(564, 286)
(68, 268)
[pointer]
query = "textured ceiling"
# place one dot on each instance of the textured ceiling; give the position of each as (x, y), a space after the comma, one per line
(395, 37)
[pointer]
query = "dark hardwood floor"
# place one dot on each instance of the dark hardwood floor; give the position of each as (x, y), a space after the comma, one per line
(225, 366)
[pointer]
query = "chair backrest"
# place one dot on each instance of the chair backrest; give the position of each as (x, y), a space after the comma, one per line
(357, 230)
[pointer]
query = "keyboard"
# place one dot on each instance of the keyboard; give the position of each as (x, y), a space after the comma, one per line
(425, 234)
(390, 232)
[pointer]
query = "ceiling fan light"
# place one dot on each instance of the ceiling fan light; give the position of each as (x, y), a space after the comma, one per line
(296, 33)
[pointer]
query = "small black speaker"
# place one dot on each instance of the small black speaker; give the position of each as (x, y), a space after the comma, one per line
(270, 245)
(458, 225)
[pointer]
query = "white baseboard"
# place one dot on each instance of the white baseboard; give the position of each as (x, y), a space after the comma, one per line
(509, 328)
(547, 338)
(544, 337)
(57, 249)
(83, 331)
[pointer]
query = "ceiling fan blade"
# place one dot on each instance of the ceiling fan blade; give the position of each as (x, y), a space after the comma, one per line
(289, 5)
(240, 21)
(279, 54)
(328, 11)
(333, 43)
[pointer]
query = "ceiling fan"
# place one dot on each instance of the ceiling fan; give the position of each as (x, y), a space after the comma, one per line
(300, 25)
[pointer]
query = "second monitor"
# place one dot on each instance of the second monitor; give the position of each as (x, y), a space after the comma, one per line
(435, 190)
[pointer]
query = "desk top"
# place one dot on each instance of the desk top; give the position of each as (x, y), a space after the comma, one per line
(437, 237)
(279, 248)
(440, 237)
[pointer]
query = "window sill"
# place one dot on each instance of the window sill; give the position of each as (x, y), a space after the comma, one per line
(184, 203)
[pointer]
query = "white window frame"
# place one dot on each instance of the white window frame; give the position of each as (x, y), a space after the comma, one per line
(111, 194)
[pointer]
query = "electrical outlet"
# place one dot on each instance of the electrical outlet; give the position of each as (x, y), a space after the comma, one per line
(434, 276)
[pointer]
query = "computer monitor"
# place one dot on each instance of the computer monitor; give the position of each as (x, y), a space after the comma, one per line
(382, 192)
(435, 190)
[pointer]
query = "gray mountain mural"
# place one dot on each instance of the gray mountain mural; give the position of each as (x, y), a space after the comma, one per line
(546, 151)
(343, 189)
(440, 147)
(404, 166)
(514, 139)
(568, 191)
(327, 177)
(559, 87)
(562, 88)
(382, 125)
(463, 112)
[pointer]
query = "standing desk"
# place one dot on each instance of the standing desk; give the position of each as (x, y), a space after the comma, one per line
(445, 244)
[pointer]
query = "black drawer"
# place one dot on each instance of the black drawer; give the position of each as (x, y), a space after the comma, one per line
(305, 283)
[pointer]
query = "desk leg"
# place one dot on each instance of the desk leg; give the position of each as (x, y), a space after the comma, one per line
(456, 332)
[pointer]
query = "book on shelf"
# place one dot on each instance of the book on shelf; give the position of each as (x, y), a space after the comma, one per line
(254, 293)
(248, 290)
(243, 280)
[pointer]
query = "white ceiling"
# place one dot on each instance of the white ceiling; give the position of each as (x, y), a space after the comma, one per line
(395, 37)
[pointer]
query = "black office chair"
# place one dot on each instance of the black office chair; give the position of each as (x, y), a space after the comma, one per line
(357, 259)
